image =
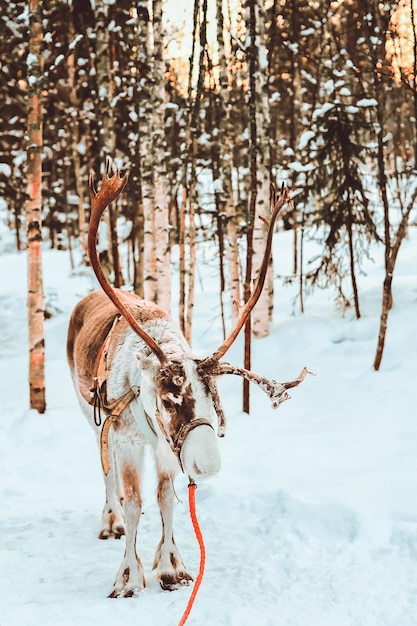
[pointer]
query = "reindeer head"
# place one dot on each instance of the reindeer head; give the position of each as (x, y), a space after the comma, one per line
(180, 400)
(179, 392)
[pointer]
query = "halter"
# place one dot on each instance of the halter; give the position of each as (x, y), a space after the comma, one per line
(176, 442)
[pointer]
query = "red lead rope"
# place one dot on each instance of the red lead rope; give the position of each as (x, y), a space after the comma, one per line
(191, 502)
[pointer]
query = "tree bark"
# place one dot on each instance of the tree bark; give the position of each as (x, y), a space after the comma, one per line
(105, 85)
(75, 136)
(33, 211)
(253, 167)
(150, 286)
(387, 286)
(190, 165)
(352, 262)
(414, 80)
(259, 85)
(182, 259)
(226, 133)
(162, 245)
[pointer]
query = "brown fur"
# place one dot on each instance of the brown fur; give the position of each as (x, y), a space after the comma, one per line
(90, 324)
(181, 413)
(131, 484)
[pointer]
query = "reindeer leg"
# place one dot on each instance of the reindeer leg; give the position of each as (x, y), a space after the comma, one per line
(112, 521)
(168, 564)
(130, 578)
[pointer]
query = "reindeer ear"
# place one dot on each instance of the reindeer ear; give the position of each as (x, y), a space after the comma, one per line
(148, 364)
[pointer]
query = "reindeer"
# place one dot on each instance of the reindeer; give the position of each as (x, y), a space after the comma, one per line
(138, 383)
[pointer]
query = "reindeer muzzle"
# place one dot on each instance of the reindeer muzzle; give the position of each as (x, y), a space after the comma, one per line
(198, 452)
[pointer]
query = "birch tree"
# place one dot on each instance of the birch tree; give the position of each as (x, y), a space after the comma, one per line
(105, 90)
(260, 131)
(162, 251)
(144, 35)
(152, 148)
(223, 185)
(259, 163)
(189, 156)
(33, 211)
(75, 133)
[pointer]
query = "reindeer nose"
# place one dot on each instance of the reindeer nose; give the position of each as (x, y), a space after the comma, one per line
(197, 471)
(205, 472)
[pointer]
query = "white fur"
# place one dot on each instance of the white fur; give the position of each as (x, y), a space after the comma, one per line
(130, 365)
(200, 454)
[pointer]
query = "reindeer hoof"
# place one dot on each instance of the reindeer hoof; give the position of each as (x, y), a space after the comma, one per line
(130, 580)
(125, 593)
(110, 533)
(112, 523)
(171, 582)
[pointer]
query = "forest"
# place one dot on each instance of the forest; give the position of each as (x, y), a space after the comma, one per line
(208, 104)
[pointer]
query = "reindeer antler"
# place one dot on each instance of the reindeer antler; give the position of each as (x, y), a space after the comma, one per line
(210, 368)
(278, 199)
(277, 392)
(111, 187)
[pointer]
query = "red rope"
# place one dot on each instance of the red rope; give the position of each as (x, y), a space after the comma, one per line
(191, 502)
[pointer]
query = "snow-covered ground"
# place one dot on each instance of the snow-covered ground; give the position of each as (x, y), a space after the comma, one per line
(312, 520)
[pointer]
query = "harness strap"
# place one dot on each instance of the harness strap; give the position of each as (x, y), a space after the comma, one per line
(114, 409)
(100, 375)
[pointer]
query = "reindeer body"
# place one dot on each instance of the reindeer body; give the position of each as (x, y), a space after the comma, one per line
(128, 361)
(118, 343)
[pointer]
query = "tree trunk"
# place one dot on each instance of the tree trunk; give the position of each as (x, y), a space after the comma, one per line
(190, 165)
(301, 264)
(253, 167)
(352, 263)
(414, 80)
(105, 85)
(162, 245)
(387, 287)
(226, 133)
(296, 108)
(146, 152)
(383, 323)
(182, 259)
(191, 268)
(16, 215)
(261, 312)
(75, 135)
(33, 212)
(137, 236)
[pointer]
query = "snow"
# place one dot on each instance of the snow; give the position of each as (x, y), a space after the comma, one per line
(323, 109)
(312, 519)
(305, 139)
(5, 169)
(367, 102)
